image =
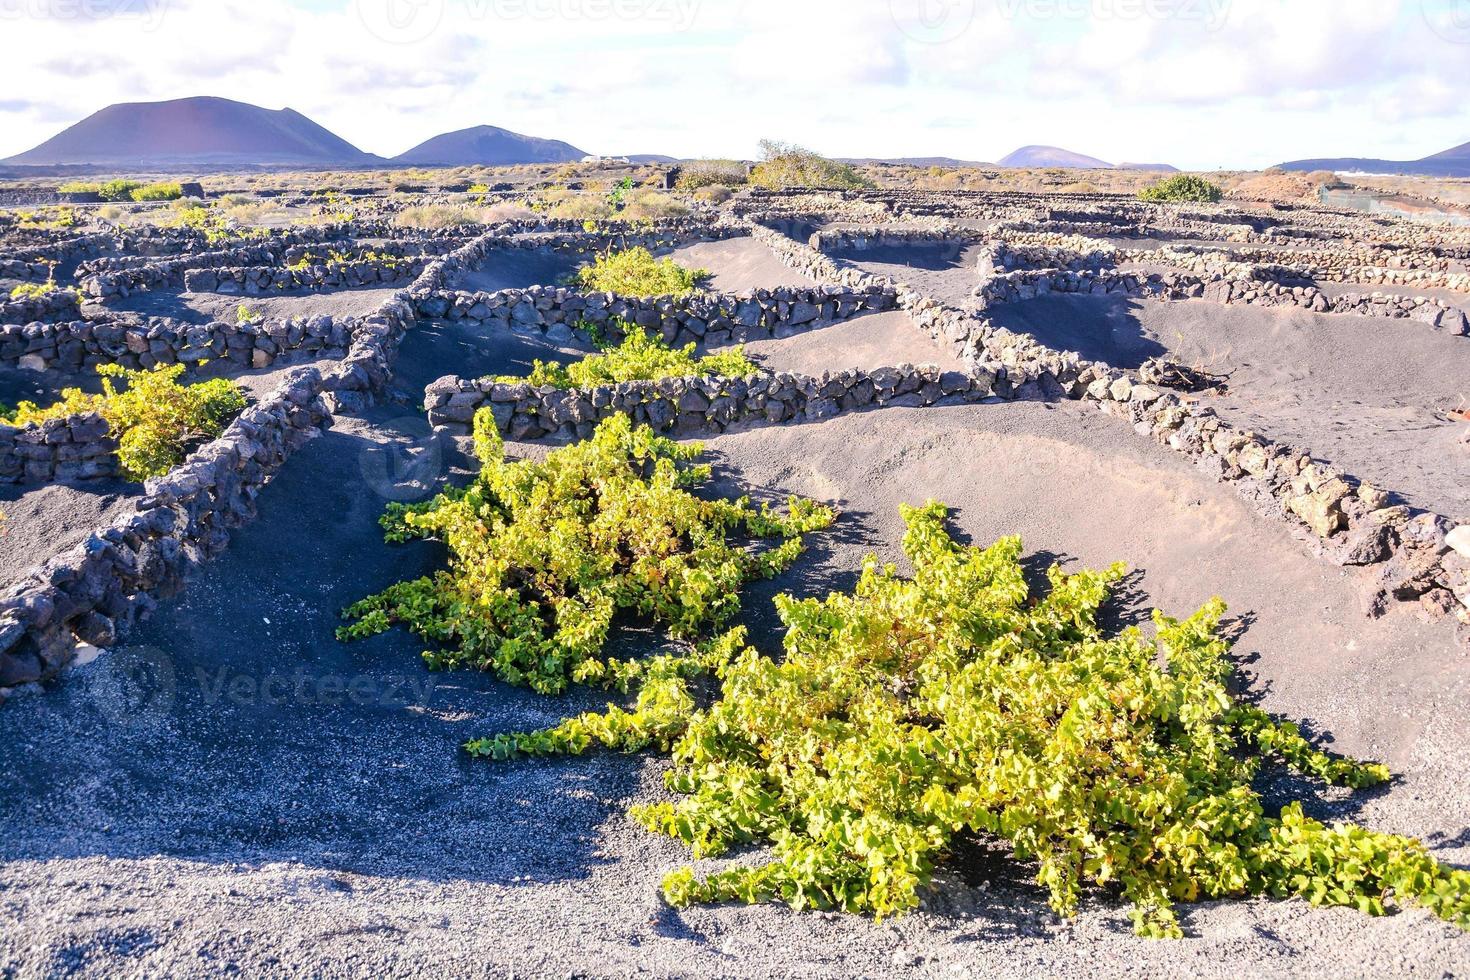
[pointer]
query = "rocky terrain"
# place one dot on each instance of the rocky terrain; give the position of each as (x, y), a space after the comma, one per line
(1264, 404)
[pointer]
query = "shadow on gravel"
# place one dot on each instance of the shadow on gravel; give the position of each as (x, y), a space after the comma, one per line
(1099, 328)
(234, 727)
(435, 348)
(935, 257)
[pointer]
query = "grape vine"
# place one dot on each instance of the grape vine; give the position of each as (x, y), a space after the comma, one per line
(915, 710)
(543, 556)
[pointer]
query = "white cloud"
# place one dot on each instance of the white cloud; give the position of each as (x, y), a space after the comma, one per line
(1195, 82)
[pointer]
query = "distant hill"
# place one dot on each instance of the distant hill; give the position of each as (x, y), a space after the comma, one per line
(917, 161)
(1163, 168)
(650, 158)
(1454, 162)
(488, 146)
(1052, 156)
(201, 131)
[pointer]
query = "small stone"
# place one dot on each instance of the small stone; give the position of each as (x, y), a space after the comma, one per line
(1459, 540)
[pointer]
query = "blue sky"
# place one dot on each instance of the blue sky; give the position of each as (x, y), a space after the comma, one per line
(1198, 83)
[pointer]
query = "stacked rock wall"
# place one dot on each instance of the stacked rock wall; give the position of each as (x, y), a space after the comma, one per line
(710, 318)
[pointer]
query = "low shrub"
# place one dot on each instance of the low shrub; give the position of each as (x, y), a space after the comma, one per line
(787, 165)
(955, 702)
(38, 290)
(645, 205)
(48, 219)
(697, 174)
(544, 555)
(635, 272)
(715, 194)
(118, 190)
(155, 420)
(431, 217)
(1181, 187)
(79, 187)
(640, 357)
(158, 192)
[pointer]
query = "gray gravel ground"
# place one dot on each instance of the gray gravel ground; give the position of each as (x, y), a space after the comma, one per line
(739, 265)
(946, 272)
(1369, 394)
(236, 792)
(207, 307)
(869, 341)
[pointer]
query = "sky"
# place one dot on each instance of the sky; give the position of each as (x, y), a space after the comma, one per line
(1201, 84)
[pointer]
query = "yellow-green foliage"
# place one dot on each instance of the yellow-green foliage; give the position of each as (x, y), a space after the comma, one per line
(79, 187)
(1181, 187)
(544, 555)
(118, 190)
(640, 357)
(158, 192)
(334, 257)
(38, 290)
(955, 702)
(48, 219)
(155, 420)
(786, 165)
(635, 272)
(215, 226)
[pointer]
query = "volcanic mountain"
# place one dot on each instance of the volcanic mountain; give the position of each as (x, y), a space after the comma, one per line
(488, 146)
(1052, 156)
(1454, 162)
(200, 131)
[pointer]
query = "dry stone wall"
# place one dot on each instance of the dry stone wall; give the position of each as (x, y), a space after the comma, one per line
(710, 318)
(691, 406)
(94, 591)
(49, 307)
(74, 448)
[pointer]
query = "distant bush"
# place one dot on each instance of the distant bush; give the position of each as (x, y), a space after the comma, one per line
(635, 272)
(507, 211)
(640, 357)
(709, 173)
(155, 420)
(1324, 178)
(118, 190)
(48, 219)
(787, 165)
(714, 194)
(158, 192)
(430, 217)
(79, 187)
(1181, 187)
(650, 205)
